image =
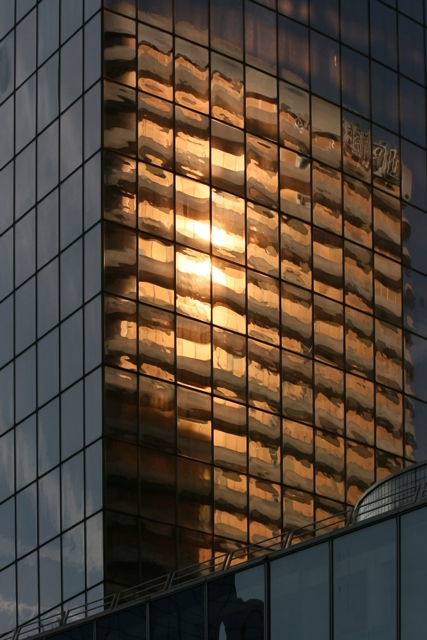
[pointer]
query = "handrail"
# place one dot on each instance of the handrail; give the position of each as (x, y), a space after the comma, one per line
(399, 496)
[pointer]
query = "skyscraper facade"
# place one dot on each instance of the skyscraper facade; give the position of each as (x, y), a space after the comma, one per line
(213, 315)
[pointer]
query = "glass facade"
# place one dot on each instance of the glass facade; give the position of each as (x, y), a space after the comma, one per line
(50, 306)
(365, 582)
(265, 279)
(212, 283)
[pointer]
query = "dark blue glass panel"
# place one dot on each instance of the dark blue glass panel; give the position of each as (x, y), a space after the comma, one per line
(48, 436)
(71, 139)
(25, 315)
(414, 174)
(415, 429)
(324, 16)
(48, 96)
(415, 366)
(48, 367)
(383, 34)
(7, 466)
(47, 298)
(414, 233)
(227, 27)
(25, 48)
(50, 575)
(411, 49)
(355, 81)
(49, 506)
(129, 625)
(28, 596)
(6, 400)
(25, 113)
(84, 632)
(236, 606)
(8, 594)
(414, 301)
(412, 112)
(73, 569)
(156, 12)
(47, 160)
(26, 520)
(7, 17)
(191, 20)
(412, 8)
(25, 384)
(365, 584)
(7, 532)
(300, 583)
(6, 131)
(6, 271)
(413, 583)
(293, 52)
(48, 28)
(355, 24)
(179, 617)
(71, 288)
(385, 103)
(71, 69)
(25, 190)
(71, 17)
(25, 449)
(72, 420)
(6, 189)
(260, 37)
(6, 330)
(325, 67)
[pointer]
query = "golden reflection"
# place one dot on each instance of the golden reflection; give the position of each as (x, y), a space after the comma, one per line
(156, 198)
(229, 365)
(228, 226)
(389, 420)
(388, 354)
(194, 424)
(295, 185)
(264, 445)
(329, 400)
(297, 315)
(229, 295)
(357, 212)
(230, 495)
(360, 470)
(263, 308)
(230, 435)
(156, 272)
(330, 464)
(155, 69)
(359, 409)
(193, 352)
(262, 179)
(263, 239)
(192, 144)
(296, 252)
(192, 219)
(227, 90)
(298, 509)
(193, 283)
(298, 455)
(264, 510)
(156, 343)
(191, 76)
(294, 118)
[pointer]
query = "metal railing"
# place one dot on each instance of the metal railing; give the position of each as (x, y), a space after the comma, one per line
(384, 496)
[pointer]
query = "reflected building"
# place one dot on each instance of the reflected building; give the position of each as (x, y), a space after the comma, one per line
(213, 278)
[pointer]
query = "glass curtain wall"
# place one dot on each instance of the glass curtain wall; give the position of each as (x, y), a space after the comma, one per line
(265, 279)
(50, 307)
